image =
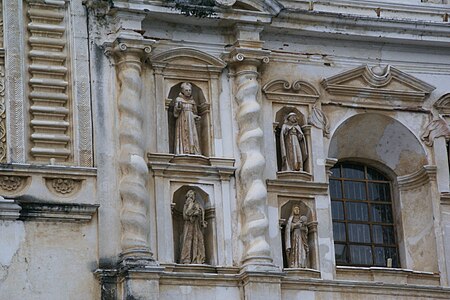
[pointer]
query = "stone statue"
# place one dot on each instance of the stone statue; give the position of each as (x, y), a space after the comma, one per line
(296, 240)
(193, 249)
(185, 112)
(293, 145)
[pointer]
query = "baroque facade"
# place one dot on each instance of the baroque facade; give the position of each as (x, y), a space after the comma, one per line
(246, 149)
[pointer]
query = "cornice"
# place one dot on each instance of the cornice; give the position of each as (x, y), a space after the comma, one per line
(362, 27)
(25, 209)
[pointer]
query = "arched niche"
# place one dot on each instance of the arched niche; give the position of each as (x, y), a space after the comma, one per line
(203, 71)
(279, 121)
(305, 210)
(202, 110)
(378, 138)
(179, 198)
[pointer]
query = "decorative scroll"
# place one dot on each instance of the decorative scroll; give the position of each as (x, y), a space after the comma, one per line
(319, 120)
(435, 129)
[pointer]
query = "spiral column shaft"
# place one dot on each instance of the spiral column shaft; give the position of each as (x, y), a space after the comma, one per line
(253, 192)
(133, 168)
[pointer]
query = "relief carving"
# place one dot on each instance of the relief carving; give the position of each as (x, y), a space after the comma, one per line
(63, 186)
(2, 116)
(11, 183)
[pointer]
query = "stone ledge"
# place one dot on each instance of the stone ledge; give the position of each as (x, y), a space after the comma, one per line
(387, 275)
(293, 273)
(29, 169)
(25, 210)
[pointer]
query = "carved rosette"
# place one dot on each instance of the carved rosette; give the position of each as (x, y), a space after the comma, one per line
(11, 184)
(64, 187)
(253, 190)
(128, 59)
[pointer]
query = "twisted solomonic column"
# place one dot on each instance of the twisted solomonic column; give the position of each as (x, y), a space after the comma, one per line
(253, 192)
(134, 219)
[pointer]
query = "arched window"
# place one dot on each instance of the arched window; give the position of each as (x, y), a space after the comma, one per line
(363, 219)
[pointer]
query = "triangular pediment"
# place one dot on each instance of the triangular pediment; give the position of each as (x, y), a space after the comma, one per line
(376, 85)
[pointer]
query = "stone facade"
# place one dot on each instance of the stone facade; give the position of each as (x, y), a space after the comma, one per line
(93, 191)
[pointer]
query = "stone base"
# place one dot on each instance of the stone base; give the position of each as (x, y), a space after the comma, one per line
(294, 175)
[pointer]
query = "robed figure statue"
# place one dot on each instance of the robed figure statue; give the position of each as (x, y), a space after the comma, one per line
(193, 249)
(185, 112)
(293, 145)
(296, 240)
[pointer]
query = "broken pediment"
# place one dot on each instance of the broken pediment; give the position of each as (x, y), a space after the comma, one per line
(299, 91)
(388, 86)
(443, 105)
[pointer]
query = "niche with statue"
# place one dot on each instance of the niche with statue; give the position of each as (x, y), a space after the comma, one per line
(299, 236)
(188, 120)
(193, 221)
(292, 144)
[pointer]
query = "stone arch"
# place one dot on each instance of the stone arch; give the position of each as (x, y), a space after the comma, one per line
(381, 139)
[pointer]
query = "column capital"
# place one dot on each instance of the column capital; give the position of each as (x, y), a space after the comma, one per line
(248, 52)
(125, 48)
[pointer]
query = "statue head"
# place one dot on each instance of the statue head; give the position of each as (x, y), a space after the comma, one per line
(190, 195)
(296, 210)
(291, 118)
(186, 89)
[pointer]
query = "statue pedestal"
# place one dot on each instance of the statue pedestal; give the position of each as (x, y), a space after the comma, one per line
(294, 175)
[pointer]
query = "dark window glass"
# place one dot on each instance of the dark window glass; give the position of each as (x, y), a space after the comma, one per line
(341, 253)
(336, 189)
(337, 210)
(339, 232)
(357, 211)
(363, 222)
(353, 171)
(336, 172)
(354, 190)
(378, 191)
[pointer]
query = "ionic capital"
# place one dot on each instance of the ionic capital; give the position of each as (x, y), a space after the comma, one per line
(126, 51)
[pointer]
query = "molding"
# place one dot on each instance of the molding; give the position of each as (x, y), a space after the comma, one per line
(388, 275)
(25, 210)
(9, 209)
(416, 30)
(297, 92)
(376, 86)
(418, 178)
(190, 166)
(47, 170)
(443, 105)
(445, 198)
(296, 188)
